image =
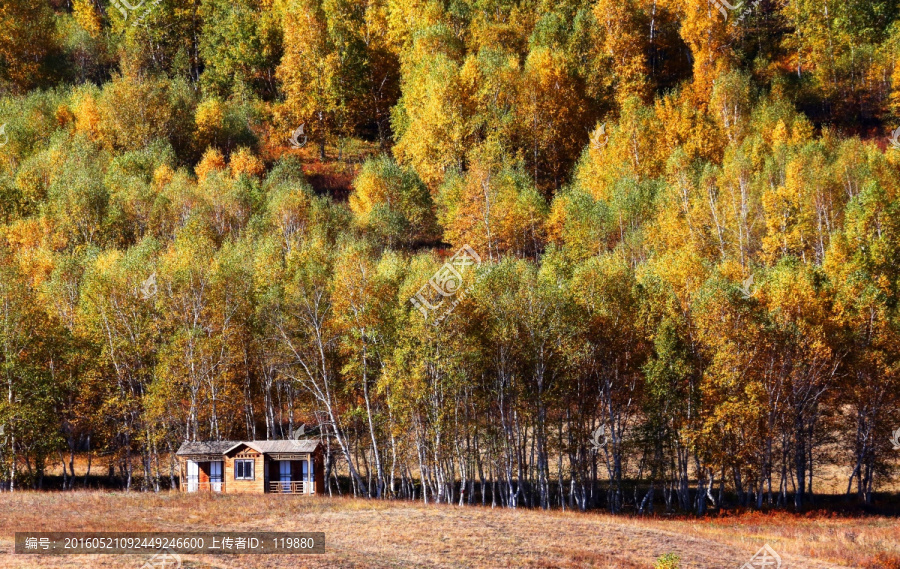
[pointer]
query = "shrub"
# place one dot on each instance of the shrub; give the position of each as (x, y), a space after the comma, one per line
(668, 561)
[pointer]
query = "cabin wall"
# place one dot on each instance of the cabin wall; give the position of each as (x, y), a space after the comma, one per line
(255, 486)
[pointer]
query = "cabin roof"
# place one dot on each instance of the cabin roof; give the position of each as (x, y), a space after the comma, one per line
(224, 447)
(282, 446)
(205, 447)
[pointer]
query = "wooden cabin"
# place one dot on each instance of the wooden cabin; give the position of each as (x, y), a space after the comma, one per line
(252, 467)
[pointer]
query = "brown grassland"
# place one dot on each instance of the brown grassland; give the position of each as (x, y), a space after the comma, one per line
(361, 533)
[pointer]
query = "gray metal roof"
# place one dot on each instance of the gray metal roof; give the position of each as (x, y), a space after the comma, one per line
(223, 447)
(205, 447)
(283, 446)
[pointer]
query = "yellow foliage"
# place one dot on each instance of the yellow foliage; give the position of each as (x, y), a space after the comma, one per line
(64, 115)
(438, 108)
(212, 161)
(895, 91)
(556, 221)
(135, 110)
(163, 176)
(406, 17)
(551, 113)
(780, 136)
(290, 212)
(35, 238)
(209, 119)
(87, 17)
(497, 212)
(243, 161)
(27, 36)
(789, 224)
(87, 116)
(625, 44)
(708, 34)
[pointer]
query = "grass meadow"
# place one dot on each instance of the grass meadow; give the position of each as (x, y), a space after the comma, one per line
(390, 534)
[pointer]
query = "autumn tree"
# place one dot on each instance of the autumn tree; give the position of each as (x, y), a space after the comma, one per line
(392, 203)
(27, 43)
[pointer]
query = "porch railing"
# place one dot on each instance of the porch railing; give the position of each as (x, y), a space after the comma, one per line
(196, 486)
(288, 487)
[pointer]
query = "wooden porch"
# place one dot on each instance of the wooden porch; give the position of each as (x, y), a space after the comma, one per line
(289, 487)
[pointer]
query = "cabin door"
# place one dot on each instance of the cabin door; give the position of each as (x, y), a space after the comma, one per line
(193, 476)
(284, 474)
(215, 475)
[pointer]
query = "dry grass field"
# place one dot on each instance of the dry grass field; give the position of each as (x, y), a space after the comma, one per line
(368, 534)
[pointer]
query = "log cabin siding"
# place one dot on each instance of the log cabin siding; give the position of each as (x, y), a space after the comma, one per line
(255, 486)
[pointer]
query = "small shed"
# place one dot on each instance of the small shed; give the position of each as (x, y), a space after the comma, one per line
(252, 467)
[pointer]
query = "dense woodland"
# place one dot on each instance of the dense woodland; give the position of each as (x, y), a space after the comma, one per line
(688, 221)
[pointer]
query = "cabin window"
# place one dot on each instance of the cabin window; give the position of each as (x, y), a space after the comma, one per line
(215, 476)
(243, 470)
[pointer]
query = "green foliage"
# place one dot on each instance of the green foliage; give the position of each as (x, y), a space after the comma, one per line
(392, 204)
(240, 44)
(668, 561)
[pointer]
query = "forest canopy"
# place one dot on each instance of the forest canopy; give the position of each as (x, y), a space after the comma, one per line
(667, 233)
